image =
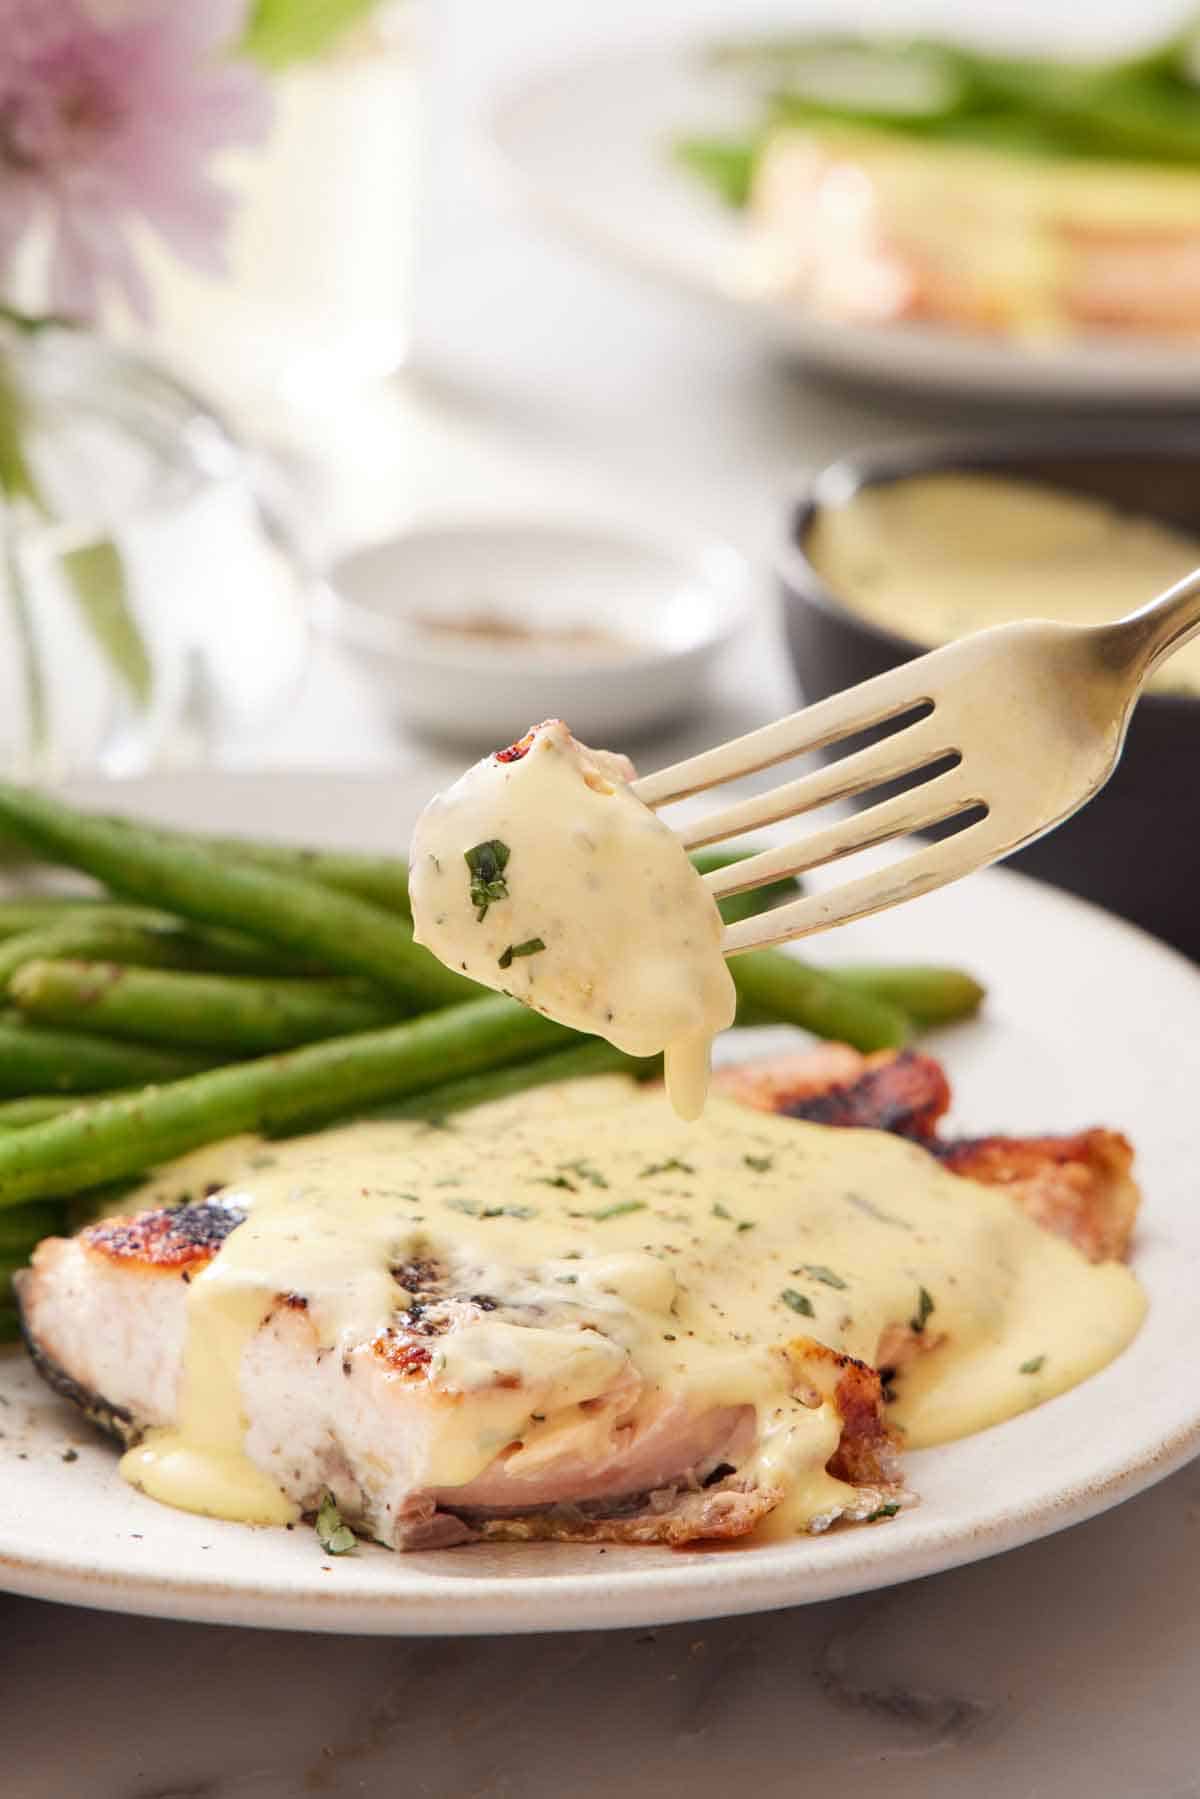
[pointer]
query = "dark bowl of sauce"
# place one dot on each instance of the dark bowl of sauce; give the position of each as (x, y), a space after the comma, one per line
(1110, 515)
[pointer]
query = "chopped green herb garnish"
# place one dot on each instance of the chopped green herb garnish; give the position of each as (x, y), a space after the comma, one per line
(870, 1210)
(334, 1537)
(671, 1166)
(720, 1211)
(473, 1209)
(1034, 1365)
(924, 1310)
(530, 947)
(760, 1164)
(586, 1172)
(567, 1280)
(555, 1180)
(617, 1211)
(883, 1511)
(817, 1271)
(799, 1302)
(487, 862)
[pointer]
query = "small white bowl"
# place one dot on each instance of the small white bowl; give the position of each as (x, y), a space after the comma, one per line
(482, 628)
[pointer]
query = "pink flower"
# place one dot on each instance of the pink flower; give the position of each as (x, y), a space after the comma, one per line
(105, 124)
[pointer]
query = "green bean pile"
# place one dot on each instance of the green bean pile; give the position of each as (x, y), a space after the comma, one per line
(1140, 108)
(212, 985)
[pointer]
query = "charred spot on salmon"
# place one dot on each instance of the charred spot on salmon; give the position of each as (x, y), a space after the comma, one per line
(517, 750)
(167, 1238)
(722, 1471)
(421, 1275)
(905, 1095)
(398, 1351)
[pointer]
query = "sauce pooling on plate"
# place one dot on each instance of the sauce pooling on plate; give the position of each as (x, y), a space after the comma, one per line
(541, 874)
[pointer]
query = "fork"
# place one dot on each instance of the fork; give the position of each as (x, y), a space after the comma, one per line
(1012, 730)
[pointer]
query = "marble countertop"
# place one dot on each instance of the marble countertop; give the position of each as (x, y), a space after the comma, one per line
(1060, 1670)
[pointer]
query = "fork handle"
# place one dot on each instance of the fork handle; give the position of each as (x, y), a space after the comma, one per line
(1155, 631)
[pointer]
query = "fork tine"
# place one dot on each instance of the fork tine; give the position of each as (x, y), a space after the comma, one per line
(872, 702)
(929, 804)
(901, 754)
(936, 865)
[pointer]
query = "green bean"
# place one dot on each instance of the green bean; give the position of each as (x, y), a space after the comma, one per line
(42, 911)
(383, 880)
(117, 1137)
(231, 1013)
(928, 993)
(350, 935)
(756, 899)
(24, 1226)
(10, 1265)
(591, 1057)
(790, 991)
(161, 943)
(36, 1061)
(725, 164)
(35, 1108)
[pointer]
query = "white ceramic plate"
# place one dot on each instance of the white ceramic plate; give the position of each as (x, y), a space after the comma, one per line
(588, 147)
(673, 605)
(1087, 1021)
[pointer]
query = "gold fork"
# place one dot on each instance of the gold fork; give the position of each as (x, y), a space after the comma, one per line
(1017, 727)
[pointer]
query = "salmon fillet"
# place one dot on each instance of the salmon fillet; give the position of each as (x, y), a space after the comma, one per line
(1080, 1187)
(864, 225)
(104, 1316)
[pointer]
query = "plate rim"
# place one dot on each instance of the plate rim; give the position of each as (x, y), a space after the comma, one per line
(1088, 371)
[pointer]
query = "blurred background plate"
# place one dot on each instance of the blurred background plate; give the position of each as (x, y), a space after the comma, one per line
(587, 146)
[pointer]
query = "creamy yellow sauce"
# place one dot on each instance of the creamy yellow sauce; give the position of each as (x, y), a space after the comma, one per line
(546, 878)
(624, 1248)
(935, 556)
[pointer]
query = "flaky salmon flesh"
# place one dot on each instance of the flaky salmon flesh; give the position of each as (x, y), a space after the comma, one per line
(105, 1319)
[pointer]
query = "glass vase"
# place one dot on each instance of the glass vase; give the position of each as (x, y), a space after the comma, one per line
(148, 601)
